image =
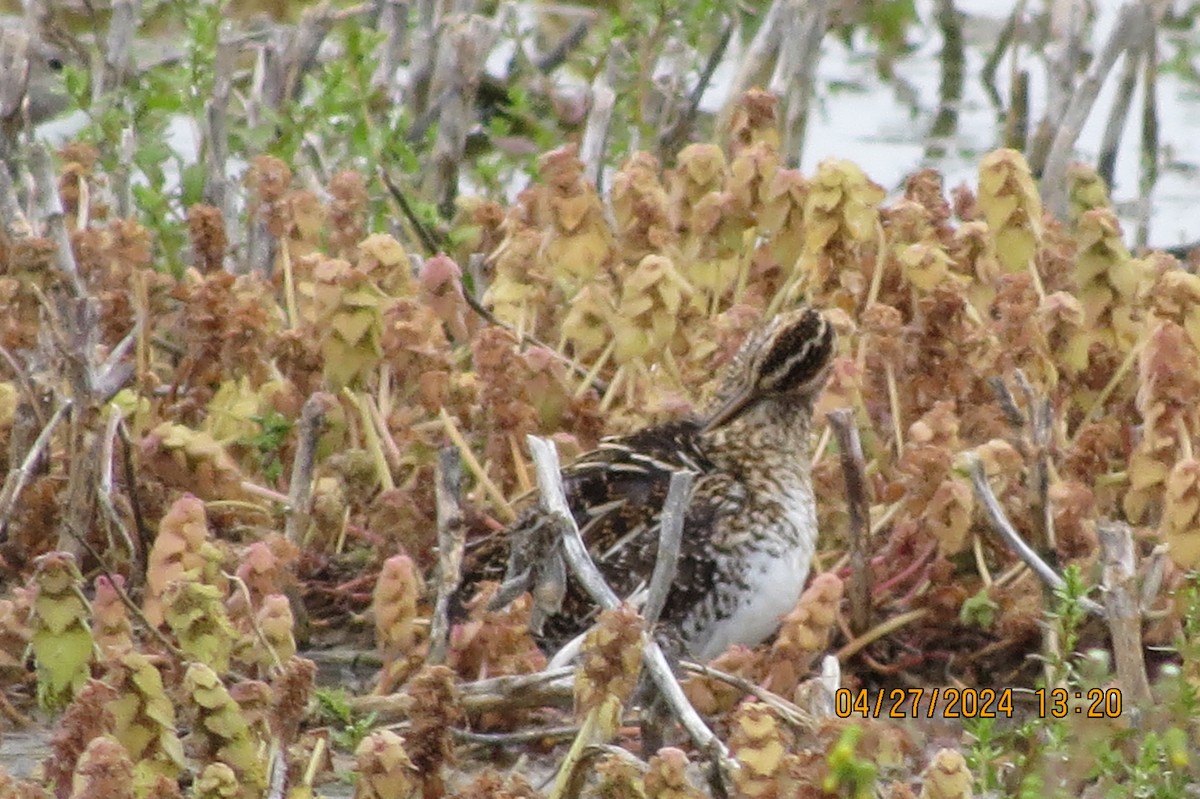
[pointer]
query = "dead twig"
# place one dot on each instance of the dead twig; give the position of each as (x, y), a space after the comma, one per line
(795, 72)
(1062, 51)
(16, 479)
(670, 535)
(308, 431)
(496, 694)
(554, 503)
(1123, 616)
(135, 502)
(430, 242)
(1003, 526)
(595, 132)
(666, 562)
(1129, 29)
(22, 375)
(1150, 136)
(988, 73)
(104, 487)
(118, 46)
(16, 225)
(758, 54)
(504, 740)
(854, 472)
(50, 212)
(674, 137)
(1106, 164)
(451, 541)
(788, 711)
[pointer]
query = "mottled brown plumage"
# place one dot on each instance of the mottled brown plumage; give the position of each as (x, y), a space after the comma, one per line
(750, 525)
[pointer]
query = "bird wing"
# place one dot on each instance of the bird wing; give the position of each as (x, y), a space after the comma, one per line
(616, 493)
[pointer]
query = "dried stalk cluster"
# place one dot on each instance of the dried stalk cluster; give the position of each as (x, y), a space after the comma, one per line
(142, 451)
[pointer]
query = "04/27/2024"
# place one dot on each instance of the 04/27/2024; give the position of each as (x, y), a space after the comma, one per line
(901, 703)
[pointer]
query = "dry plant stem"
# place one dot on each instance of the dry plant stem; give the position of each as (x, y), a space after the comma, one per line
(104, 488)
(1183, 438)
(669, 536)
(572, 781)
(1017, 122)
(1065, 22)
(981, 566)
(854, 473)
(495, 694)
(122, 175)
(554, 504)
(314, 763)
(795, 72)
(1003, 526)
(595, 133)
(518, 462)
(1153, 578)
(461, 56)
(393, 20)
(503, 740)
(822, 445)
(754, 61)
(391, 452)
(894, 402)
(428, 240)
(451, 540)
(16, 226)
(118, 50)
(1124, 619)
(675, 137)
(15, 481)
(50, 211)
(216, 135)
(135, 502)
(1117, 117)
(277, 771)
(503, 508)
(788, 711)
(424, 45)
(308, 431)
(133, 609)
(269, 494)
(1150, 137)
(1038, 422)
(22, 376)
(879, 631)
(988, 72)
(594, 730)
(254, 625)
(289, 285)
(1130, 27)
(382, 469)
(1102, 398)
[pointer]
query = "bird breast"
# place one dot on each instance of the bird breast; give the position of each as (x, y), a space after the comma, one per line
(773, 571)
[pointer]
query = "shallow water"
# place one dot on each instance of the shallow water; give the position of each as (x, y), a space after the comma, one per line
(884, 128)
(885, 125)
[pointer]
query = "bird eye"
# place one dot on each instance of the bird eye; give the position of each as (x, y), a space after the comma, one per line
(55, 64)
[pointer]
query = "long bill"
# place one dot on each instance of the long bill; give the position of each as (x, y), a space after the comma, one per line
(734, 407)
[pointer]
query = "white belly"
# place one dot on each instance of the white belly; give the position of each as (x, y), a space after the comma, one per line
(757, 616)
(778, 581)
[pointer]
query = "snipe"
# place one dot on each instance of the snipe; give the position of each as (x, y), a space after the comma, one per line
(750, 527)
